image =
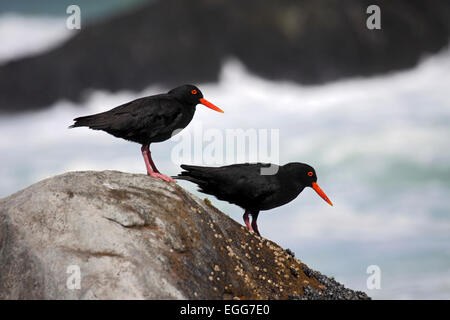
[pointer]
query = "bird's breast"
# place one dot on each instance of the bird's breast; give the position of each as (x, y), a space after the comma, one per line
(284, 196)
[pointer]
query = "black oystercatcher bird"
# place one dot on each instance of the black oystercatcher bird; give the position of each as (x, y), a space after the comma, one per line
(245, 186)
(149, 119)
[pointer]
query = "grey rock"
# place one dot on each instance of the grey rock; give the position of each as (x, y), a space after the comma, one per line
(135, 237)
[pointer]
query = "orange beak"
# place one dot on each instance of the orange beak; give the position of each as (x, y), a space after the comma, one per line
(210, 105)
(319, 191)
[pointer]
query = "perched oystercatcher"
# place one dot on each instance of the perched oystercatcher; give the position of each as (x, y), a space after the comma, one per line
(149, 119)
(245, 186)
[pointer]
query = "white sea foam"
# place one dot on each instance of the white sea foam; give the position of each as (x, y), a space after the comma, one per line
(26, 35)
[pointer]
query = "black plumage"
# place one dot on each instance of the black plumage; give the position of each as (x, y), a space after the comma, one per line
(149, 119)
(144, 120)
(248, 185)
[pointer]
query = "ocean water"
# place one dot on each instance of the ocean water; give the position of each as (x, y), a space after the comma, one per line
(380, 147)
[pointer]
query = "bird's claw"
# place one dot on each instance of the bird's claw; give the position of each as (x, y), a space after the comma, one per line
(161, 176)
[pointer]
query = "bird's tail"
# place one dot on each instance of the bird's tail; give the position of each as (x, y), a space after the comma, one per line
(82, 122)
(195, 174)
(95, 121)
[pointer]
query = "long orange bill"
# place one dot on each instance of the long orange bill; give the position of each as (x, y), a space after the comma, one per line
(319, 191)
(210, 105)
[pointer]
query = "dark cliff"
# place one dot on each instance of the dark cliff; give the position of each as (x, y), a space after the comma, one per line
(178, 41)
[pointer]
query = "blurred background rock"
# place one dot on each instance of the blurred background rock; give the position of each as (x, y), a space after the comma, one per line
(132, 44)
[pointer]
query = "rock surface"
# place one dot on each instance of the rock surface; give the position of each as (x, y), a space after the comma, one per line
(135, 237)
(172, 42)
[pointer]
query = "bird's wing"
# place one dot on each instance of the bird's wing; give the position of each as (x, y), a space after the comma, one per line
(250, 183)
(241, 181)
(149, 114)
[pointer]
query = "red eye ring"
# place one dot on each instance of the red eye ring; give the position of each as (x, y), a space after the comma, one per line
(194, 91)
(310, 173)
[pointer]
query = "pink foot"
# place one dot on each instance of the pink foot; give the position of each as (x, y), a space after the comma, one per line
(247, 221)
(254, 224)
(161, 176)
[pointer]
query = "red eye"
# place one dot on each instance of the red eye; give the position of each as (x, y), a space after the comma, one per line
(194, 91)
(310, 173)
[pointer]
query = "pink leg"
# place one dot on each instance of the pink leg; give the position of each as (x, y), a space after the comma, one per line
(152, 163)
(247, 221)
(254, 225)
(151, 168)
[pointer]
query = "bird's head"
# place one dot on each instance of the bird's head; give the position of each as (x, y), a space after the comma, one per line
(190, 94)
(306, 176)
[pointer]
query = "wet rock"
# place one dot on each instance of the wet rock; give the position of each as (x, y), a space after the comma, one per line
(129, 236)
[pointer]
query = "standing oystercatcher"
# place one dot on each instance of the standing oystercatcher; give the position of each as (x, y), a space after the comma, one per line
(245, 186)
(149, 119)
